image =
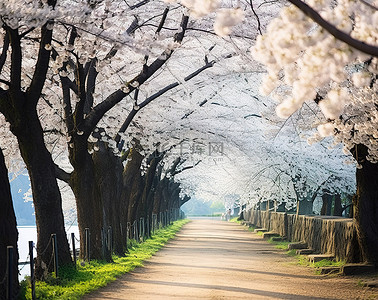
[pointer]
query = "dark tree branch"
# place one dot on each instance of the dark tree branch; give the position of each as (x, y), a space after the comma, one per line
(338, 34)
(55, 131)
(257, 17)
(67, 104)
(5, 82)
(73, 36)
(136, 95)
(192, 111)
(79, 108)
(186, 168)
(184, 200)
(203, 103)
(252, 115)
(162, 21)
(134, 26)
(3, 55)
(16, 58)
(152, 155)
(111, 53)
(174, 166)
(99, 110)
(157, 95)
(187, 115)
(125, 125)
(86, 68)
(22, 35)
(346, 206)
(6, 107)
(62, 175)
(139, 4)
(72, 85)
(148, 100)
(91, 84)
(39, 76)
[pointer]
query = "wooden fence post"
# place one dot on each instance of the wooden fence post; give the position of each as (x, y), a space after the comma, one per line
(10, 272)
(110, 240)
(32, 276)
(87, 245)
(55, 251)
(73, 248)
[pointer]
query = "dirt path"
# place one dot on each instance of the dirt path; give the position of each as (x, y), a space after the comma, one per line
(218, 260)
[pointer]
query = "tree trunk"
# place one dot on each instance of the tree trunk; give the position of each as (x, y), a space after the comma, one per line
(175, 196)
(305, 207)
(88, 199)
(366, 206)
(132, 182)
(20, 109)
(46, 195)
(157, 190)
(164, 195)
(338, 209)
(352, 209)
(147, 196)
(135, 196)
(327, 204)
(109, 169)
(8, 232)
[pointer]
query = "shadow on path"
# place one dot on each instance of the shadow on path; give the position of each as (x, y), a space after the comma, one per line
(251, 292)
(234, 270)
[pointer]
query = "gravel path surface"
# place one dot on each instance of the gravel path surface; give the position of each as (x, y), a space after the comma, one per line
(211, 259)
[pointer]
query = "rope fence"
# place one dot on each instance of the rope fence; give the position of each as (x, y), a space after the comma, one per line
(138, 231)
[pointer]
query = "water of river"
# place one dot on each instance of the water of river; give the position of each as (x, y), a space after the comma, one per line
(29, 233)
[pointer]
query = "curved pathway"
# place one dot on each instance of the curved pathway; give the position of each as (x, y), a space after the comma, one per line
(211, 259)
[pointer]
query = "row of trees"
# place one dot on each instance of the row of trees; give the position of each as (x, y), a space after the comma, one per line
(62, 72)
(323, 54)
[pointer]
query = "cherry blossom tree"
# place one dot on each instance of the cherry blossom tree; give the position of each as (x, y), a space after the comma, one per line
(345, 90)
(23, 67)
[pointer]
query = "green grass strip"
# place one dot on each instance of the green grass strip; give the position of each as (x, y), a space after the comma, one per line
(301, 259)
(235, 220)
(74, 283)
(283, 245)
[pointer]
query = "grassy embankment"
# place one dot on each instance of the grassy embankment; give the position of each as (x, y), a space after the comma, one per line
(74, 283)
(301, 259)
